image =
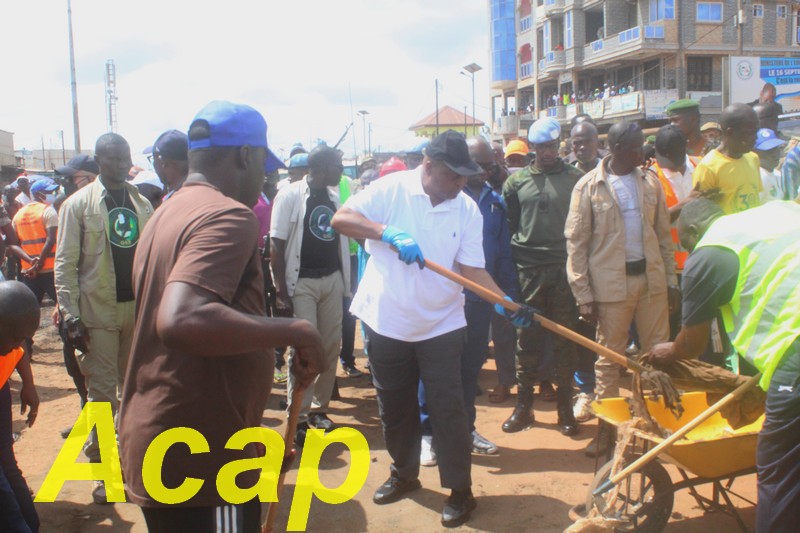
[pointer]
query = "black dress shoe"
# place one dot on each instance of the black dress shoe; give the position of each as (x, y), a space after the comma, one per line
(321, 421)
(458, 507)
(394, 489)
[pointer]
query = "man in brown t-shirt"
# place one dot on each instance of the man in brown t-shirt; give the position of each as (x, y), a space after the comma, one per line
(202, 356)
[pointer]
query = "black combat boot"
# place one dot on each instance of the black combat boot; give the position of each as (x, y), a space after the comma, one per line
(567, 424)
(522, 417)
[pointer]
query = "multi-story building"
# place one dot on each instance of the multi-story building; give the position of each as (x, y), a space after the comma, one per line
(617, 59)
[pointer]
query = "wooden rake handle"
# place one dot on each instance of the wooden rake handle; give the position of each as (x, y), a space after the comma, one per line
(555, 327)
(288, 442)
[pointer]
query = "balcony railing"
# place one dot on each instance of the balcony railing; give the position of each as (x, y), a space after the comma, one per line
(525, 24)
(654, 32)
(622, 41)
(553, 6)
(541, 64)
(554, 58)
(558, 112)
(526, 70)
(508, 125)
(629, 35)
(614, 107)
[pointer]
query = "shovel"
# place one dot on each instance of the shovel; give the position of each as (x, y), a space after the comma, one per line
(288, 457)
(737, 393)
(659, 380)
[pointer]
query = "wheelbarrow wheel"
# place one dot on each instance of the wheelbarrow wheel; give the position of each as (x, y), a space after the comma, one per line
(645, 499)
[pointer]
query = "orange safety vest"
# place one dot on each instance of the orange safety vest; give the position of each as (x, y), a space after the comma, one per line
(672, 199)
(8, 363)
(32, 234)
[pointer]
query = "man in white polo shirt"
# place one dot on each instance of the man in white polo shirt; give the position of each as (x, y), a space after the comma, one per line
(414, 318)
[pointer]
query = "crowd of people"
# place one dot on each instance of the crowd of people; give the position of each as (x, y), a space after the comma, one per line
(176, 288)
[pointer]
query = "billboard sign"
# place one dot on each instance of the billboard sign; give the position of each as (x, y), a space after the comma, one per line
(656, 102)
(749, 75)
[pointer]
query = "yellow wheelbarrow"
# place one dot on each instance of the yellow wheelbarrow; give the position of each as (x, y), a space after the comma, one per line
(710, 453)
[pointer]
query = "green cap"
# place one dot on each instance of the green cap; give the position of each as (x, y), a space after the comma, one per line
(651, 139)
(681, 106)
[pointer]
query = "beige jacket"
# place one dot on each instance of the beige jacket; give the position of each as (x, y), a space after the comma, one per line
(86, 283)
(596, 239)
(288, 213)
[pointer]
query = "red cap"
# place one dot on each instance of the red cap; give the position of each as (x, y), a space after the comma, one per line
(394, 164)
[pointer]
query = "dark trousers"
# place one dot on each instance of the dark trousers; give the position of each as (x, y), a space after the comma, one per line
(17, 514)
(476, 350)
(71, 363)
(242, 518)
(348, 320)
(40, 285)
(504, 337)
(546, 288)
(397, 368)
(778, 452)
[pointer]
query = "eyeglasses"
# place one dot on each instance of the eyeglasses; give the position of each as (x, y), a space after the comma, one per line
(488, 166)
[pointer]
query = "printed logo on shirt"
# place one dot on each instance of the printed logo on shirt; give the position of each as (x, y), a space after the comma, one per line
(319, 222)
(746, 197)
(124, 227)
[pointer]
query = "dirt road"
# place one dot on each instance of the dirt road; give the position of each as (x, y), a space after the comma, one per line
(530, 486)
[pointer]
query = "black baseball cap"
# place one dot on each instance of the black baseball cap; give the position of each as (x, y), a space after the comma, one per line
(451, 149)
(80, 162)
(172, 145)
(670, 147)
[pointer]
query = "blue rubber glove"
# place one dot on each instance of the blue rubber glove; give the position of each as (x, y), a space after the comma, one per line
(521, 318)
(407, 247)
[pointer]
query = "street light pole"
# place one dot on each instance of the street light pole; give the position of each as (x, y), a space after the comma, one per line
(472, 68)
(364, 113)
(76, 128)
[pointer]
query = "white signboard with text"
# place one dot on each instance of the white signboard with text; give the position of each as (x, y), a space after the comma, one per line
(749, 75)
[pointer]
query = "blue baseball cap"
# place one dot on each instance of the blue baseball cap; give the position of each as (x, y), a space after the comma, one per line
(544, 130)
(767, 140)
(43, 184)
(232, 124)
(419, 148)
(299, 160)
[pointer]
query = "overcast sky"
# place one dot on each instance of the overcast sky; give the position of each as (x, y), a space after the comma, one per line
(295, 61)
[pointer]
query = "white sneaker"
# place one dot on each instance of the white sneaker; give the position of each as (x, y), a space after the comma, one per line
(427, 455)
(581, 408)
(481, 445)
(99, 493)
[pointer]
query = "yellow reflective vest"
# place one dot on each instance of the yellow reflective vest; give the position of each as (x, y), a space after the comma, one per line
(763, 317)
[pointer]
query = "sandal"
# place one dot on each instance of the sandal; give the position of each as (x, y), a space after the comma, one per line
(499, 394)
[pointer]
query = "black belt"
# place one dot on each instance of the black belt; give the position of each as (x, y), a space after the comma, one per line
(635, 268)
(316, 273)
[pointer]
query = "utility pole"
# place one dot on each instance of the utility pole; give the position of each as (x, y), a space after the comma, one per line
(437, 106)
(740, 27)
(75, 126)
(63, 151)
(369, 136)
(364, 113)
